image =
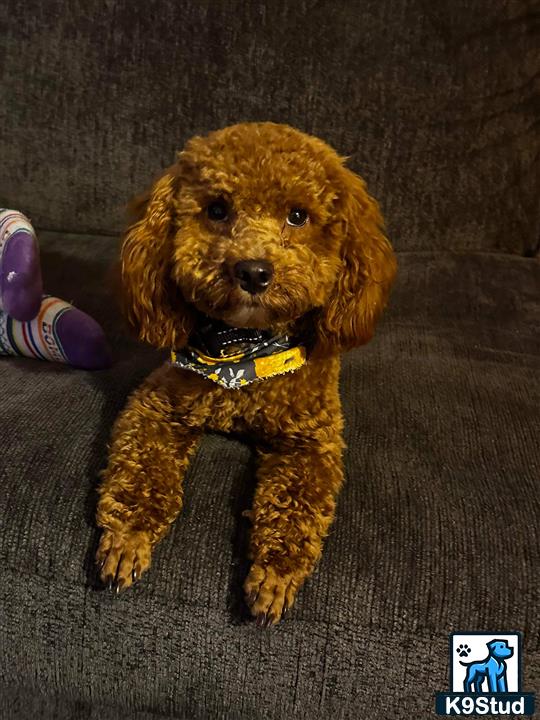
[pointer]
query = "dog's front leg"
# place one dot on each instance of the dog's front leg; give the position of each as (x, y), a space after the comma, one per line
(501, 683)
(141, 492)
(294, 505)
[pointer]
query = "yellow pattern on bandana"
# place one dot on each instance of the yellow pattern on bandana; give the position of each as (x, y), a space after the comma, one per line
(282, 362)
(242, 369)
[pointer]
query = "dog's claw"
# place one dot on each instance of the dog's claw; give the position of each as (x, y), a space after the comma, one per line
(265, 620)
(251, 597)
(134, 575)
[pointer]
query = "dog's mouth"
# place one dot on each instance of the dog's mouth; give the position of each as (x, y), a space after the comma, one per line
(241, 312)
(245, 316)
(222, 297)
(243, 309)
(228, 302)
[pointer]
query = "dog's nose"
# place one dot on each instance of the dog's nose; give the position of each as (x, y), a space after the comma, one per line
(254, 276)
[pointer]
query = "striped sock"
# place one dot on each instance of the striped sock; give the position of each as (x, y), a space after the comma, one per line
(59, 333)
(20, 271)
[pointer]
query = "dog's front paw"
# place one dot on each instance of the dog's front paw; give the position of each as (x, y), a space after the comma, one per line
(122, 558)
(270, 594)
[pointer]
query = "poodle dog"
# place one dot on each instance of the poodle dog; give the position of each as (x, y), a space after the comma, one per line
(258, 258)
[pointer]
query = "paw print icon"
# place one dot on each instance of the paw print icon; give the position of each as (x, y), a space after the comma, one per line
(463, 650)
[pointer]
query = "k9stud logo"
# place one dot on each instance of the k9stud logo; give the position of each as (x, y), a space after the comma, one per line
(485, 676)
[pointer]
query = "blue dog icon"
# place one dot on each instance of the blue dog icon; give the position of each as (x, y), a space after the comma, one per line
(493, 668)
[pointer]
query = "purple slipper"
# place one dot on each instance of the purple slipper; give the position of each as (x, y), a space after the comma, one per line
(20, 276)
(83, 340)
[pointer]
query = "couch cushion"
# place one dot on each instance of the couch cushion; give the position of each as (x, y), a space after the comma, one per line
(436, 102)
(435, 531)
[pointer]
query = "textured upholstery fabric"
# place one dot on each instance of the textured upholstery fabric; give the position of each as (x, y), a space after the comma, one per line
(436, 102)
(437, 524)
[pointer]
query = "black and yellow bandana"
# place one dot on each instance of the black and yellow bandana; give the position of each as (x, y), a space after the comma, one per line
(235, 357)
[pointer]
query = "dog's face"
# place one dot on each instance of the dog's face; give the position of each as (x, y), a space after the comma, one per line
(257, 225)
(500, 649)
(257, 243)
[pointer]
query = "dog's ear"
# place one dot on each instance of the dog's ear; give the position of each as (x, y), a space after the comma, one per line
(152, 302)
(368, 268)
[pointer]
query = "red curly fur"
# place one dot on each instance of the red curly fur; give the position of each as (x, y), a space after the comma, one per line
(331, 282)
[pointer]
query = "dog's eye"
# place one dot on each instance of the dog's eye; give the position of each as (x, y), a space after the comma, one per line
(217, 210)
(297, 217)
